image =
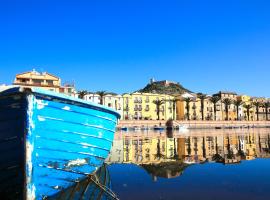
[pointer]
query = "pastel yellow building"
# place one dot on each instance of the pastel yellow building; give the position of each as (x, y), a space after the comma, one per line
(246, 100)
(221, 114)
(141, 106)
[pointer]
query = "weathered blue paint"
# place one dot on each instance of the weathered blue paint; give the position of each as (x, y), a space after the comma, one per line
(52, 139)
(12, 109)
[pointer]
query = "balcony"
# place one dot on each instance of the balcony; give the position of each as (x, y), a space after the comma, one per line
(137, 101)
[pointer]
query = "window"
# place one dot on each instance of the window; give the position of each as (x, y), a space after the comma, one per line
(37, 81)
(50, 82)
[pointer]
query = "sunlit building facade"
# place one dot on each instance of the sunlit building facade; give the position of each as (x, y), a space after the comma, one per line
(45, 81)
(142, 106)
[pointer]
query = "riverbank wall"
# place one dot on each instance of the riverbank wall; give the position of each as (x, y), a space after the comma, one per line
(151, 124)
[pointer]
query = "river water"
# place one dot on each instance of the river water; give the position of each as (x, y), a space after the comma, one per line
(195, 164)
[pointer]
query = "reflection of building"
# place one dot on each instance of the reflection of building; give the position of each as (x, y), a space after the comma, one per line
(116, 154)
(145, 149)
(250, 147)
(170, 169)
(43, 80)
(148, 150)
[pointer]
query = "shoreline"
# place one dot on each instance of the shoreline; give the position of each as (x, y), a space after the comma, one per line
(176, 124)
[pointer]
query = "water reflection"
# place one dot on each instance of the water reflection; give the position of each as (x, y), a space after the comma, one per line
(152, 150)
(200, 164)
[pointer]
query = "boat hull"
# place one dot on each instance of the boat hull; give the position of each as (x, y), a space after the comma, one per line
(54, 141)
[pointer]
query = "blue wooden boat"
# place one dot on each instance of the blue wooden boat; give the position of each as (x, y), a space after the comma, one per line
(50, 141)
(124, 129)
(159, 128)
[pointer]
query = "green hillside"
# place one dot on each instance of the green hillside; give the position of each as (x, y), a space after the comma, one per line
(160, 88)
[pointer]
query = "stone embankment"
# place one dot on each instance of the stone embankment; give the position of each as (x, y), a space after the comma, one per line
(150, 124)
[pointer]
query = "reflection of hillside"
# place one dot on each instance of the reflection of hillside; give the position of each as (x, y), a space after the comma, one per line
(224, 146)
(168, 169)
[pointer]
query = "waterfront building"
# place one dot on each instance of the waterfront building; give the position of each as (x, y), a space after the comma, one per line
(89, 96)
(186, 107)
(242, 110)
(144, 106)
(189, 107)
(221, 111)
(208, 109)
(45, 81)
(261, 109)
(111, 100)
(261, 114)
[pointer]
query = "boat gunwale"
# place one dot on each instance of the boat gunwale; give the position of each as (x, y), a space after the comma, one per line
(85, 114)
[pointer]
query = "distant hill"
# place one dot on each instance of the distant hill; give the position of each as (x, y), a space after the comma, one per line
(164, 87)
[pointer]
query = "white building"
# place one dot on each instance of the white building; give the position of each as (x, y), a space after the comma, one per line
(113, 101)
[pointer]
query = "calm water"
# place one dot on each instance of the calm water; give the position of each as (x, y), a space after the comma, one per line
(200, 164)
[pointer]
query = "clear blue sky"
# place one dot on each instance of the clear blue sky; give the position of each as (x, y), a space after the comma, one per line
(118, 46)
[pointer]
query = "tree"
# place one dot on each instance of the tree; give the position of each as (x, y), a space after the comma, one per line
(217, 157)
(187, 100)
(266, 105)
(202, 97)
(173, 101)
(230, 154)
(101, 96)
(237, 103)
(82, 94)
(257, 106)
(159, 154)
(215, 99)
(248, 107)
(203, 148)
(158, 103)
(227, 102)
